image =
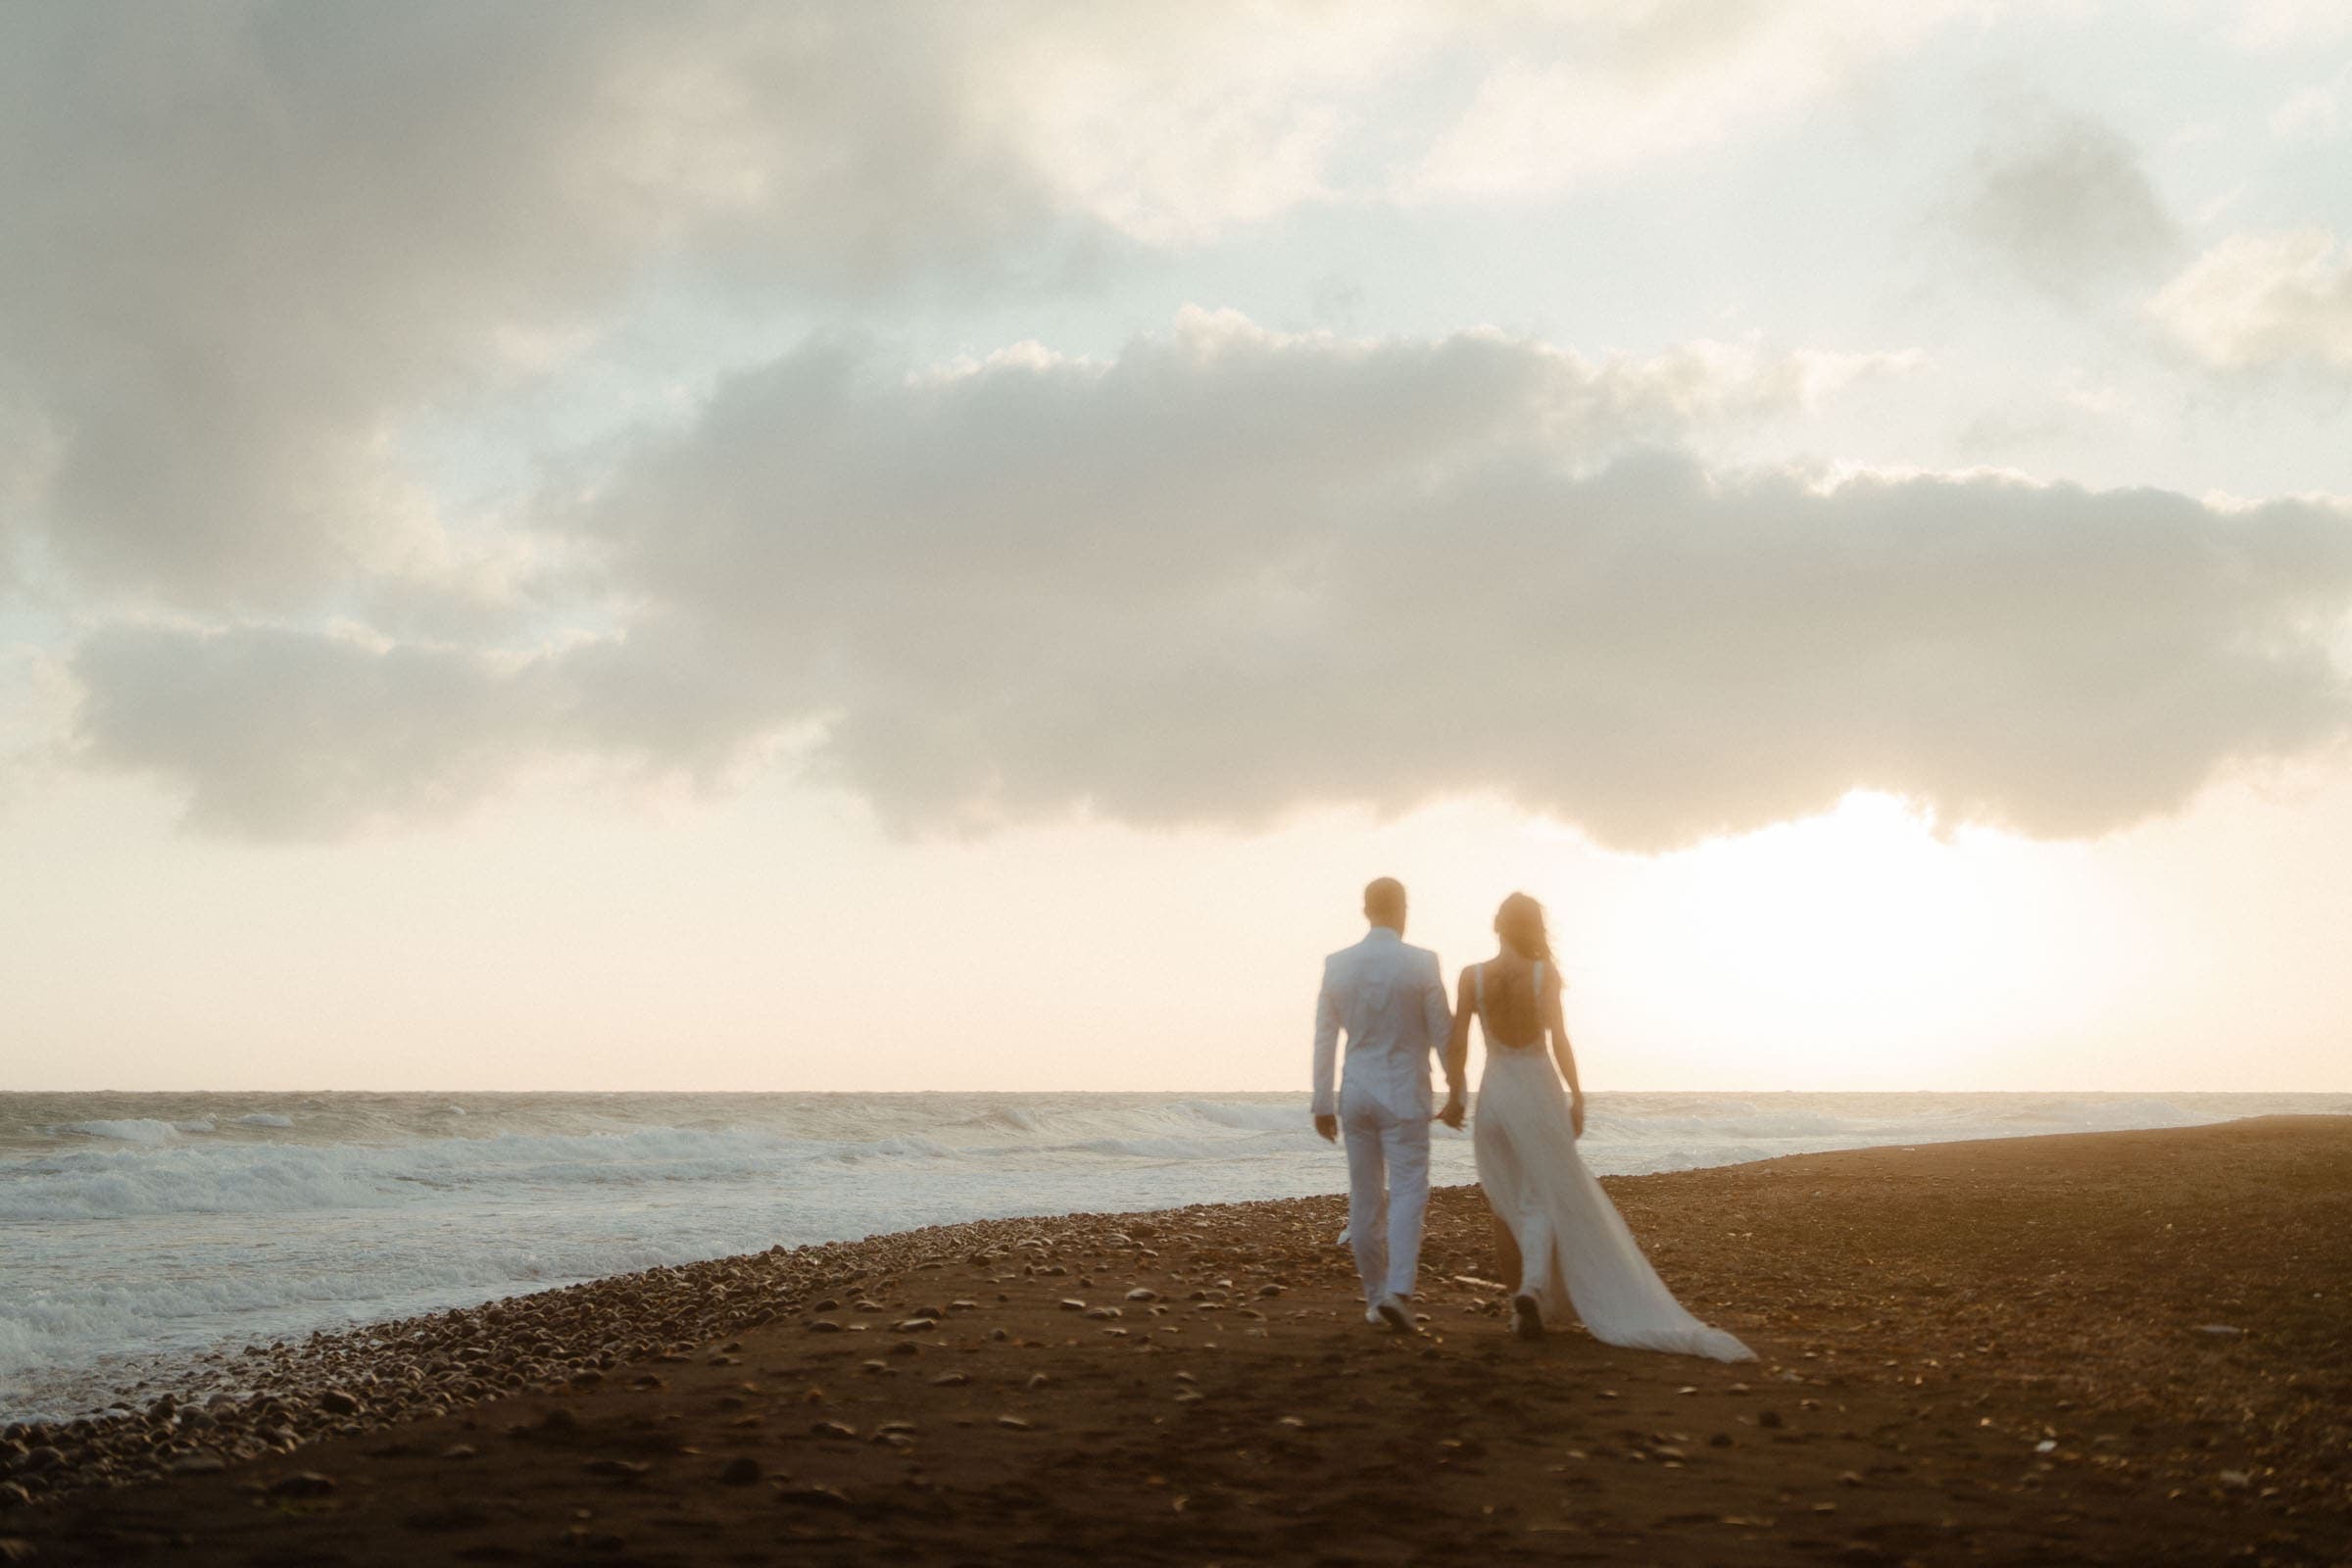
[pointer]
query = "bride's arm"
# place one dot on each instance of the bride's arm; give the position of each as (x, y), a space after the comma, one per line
(1565, 1054)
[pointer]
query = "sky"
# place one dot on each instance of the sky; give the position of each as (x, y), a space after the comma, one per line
(938, 546)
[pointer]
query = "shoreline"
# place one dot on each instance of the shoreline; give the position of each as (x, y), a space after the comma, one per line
(1981, 1299)
(435, 1221)
(203, 1371)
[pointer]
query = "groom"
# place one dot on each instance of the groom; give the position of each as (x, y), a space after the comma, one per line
(1391, 1000)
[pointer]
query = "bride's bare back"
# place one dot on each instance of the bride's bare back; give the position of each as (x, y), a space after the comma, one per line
(1515, 1015)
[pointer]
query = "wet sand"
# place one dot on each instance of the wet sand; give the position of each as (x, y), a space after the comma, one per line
(2122, 1347)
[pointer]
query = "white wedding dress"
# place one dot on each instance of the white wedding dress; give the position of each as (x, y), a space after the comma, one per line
(1573, 1248)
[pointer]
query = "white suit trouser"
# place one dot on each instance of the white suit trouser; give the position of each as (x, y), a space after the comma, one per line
(1388, 1194)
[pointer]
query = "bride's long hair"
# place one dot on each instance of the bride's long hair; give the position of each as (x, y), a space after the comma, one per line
(1520, 924)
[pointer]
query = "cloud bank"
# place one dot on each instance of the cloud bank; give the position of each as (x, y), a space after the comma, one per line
(1220, 575)
(1232, 573)
(249, 244)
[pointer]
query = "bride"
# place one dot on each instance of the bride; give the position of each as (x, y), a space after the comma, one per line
(1551, 1218)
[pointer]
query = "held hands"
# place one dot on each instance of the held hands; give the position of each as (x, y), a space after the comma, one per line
(1576, 1113)
(1329, 1127)
(1451, 1115)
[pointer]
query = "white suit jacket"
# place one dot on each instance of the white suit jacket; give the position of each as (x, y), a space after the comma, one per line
(1390, 1000)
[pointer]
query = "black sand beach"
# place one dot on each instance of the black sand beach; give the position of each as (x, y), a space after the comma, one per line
(2124, 1347)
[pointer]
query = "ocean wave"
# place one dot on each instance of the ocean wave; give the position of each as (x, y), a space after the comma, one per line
(1184, 1149)
(1006, 1118)
(1245, 1117)
(132, 1166)
(166, 1164)
(1608, 1123)
(134, 1130)
(287, 1178)
(905, 1146)
(165, 1175)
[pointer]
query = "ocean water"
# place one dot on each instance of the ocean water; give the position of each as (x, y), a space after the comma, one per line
(140, 1231)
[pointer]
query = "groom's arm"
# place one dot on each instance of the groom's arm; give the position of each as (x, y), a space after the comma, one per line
(1326, 1106)
(1441, 1025)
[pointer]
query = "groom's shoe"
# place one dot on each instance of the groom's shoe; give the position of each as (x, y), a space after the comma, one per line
(1392, 1310)
(1527, 1318)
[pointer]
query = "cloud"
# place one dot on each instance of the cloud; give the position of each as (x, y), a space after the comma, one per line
(2062, 202)
(1585, 92)
(248, 243)
(294, 734)
(2257, 300)
(1231, 573)
(249, 246)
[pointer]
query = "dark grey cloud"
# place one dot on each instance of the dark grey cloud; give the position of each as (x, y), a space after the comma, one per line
(2062, 202)
(1229, 574)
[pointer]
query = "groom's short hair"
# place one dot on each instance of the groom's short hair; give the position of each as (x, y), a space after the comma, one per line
(1383, 897)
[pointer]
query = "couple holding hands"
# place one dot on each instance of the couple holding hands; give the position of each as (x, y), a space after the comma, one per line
(1564, 1245)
